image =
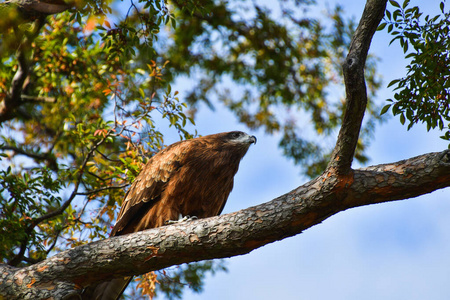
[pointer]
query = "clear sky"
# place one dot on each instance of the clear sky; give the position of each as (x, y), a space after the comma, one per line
(387, 251)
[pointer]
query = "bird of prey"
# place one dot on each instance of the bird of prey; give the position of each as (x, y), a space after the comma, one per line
(188, 178)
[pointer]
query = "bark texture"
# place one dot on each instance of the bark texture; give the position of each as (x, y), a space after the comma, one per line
(355, 86)
(64, 275)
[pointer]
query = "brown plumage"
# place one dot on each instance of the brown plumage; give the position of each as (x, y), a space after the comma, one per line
(192, 177)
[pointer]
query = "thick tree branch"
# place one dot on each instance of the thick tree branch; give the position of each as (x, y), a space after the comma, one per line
(355, 85)
(229, 235)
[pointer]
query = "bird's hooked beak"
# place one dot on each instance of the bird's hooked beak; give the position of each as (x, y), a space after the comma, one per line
(253, 139)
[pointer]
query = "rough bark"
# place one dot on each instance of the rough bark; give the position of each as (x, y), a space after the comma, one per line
(355, 86)
(66, 273)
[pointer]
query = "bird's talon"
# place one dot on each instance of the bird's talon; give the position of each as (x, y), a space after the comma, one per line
(183, 219)
(189, 218)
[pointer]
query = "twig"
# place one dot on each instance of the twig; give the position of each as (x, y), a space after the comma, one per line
(48, 157)
(44, 156)
(26, 98)
(103, 189)
(106, 157)
(98, 177)
(54, 241)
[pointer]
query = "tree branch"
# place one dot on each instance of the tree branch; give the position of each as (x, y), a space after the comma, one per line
(122, 186)
(355, 85)
(13, 99)
(34, 8)
(26, 98)
(228, 235)
(48, 156)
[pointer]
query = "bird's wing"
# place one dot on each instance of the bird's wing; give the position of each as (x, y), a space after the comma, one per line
(150, 183)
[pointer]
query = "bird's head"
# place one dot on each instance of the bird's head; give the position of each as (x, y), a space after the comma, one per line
(230, 141)
(238, 138)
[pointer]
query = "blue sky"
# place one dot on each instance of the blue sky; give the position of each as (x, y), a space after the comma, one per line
(387, 251)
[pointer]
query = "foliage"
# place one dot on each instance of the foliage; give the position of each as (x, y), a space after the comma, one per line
(172, 281)
(423, 94)
(28, 191)
(98, 90)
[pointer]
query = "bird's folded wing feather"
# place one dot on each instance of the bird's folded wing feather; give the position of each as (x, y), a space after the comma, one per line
(151, 182)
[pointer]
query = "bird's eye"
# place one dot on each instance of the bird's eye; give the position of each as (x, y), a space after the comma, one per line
(235, 134)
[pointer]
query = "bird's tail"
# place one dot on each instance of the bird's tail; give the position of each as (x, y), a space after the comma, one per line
(108, 290)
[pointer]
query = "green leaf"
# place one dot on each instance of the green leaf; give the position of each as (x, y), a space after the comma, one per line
(405, 46)
(390, 28)
(394, 3)
(174, 23)
(405, 4)
(142, 93)
(402, 119)
(381, 27)
(388, 14)
(385, 109)
(393, 82)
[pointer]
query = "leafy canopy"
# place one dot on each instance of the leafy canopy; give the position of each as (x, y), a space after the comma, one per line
(423, 94)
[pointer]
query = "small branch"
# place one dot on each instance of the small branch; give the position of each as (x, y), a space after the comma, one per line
(31, 261)
(37, 156)
(54, 242)
(356, 94)
(107, 158)
(26, 98)
(103, 189)
(98, 177)
(81, 212)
